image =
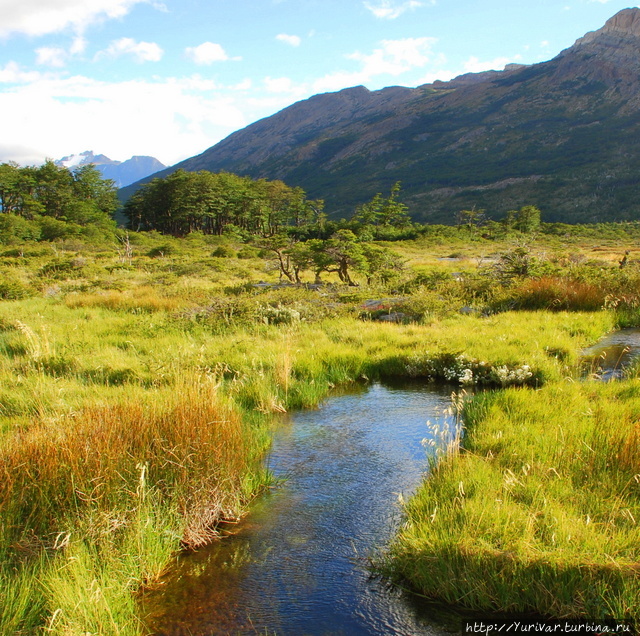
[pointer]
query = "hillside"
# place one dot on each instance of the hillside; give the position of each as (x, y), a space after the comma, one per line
(563, 135)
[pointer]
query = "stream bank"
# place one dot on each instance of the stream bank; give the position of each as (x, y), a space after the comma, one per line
(539, 512)
(299, 562)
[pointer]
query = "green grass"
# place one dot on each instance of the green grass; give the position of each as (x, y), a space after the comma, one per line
(135, 398)
(539, 512)
(103, 497)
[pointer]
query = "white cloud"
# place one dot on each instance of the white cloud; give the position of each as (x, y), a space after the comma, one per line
(293, 40)
(245, 85)
(389, 10)
(284, 85)
(142, 51)
(47, 56)
(474, 65)
(471, 65)
(208, 53)
(58, 57)
(406, 53)
(170, 119)
(12, 74)
(394, 58)
(78, 46)
(39, 17)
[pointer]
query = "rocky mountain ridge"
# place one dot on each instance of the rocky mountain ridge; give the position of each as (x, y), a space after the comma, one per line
(122, 173)
(563, 135)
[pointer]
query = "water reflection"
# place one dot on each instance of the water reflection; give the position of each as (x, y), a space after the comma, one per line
(609, 357)
(298, 563)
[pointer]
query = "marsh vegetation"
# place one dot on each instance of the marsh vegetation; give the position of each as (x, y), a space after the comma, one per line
(140, 373)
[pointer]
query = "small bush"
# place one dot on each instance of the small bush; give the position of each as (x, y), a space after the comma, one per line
(279, 315)
(224, 251)
(248, 252)
(14, 229)
(52, 229)
(161, 251)
(12, 289)
(60, 267)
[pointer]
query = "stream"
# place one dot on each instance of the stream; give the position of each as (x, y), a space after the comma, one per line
(609, 357)
(298, 563)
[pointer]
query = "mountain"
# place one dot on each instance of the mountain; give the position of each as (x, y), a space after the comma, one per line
(123, 173)
(563, 135)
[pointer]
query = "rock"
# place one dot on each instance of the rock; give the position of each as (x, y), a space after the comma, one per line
(394, 316)
(381, 303)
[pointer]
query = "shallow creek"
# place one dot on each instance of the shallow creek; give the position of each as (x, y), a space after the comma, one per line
(609, 357)
(297, 564)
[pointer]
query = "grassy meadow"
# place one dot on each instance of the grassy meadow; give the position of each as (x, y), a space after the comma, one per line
(137, 389)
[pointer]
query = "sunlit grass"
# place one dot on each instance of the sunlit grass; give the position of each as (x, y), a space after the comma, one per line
(540, 512)
(109, 492)
(134, 398)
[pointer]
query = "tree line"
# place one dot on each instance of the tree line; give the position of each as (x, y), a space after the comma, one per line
(279, 218)
(80, 196)
(212, 203)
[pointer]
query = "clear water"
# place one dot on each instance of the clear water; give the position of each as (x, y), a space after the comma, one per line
(298, 563)
(610, 356)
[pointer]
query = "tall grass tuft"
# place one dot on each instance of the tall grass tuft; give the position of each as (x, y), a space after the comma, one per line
(540, 512)
(559, 294)
(105, 495)
(189, 446)
(145, 299)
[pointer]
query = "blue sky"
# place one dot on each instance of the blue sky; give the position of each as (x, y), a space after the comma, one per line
(170, 78)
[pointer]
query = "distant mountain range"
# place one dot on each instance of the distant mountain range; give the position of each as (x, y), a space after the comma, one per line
(563, 135)
(123, 173)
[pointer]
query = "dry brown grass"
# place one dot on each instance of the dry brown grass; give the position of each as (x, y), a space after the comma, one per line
(188, 447)
(629, 454)
(559, 294)
(142, 299)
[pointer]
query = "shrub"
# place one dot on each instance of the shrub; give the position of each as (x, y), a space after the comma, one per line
(224, 251)
(559, 294)
(52, 229)
(60, 267)
(15, 228)
(248, 252)
(279, 315)
(161, 250)
(12, 289)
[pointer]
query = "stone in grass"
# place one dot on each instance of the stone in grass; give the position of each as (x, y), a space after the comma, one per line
(394, 316)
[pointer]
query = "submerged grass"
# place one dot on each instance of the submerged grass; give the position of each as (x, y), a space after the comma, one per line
(540, 511)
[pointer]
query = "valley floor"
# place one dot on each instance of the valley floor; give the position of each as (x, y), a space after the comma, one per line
(137, 392)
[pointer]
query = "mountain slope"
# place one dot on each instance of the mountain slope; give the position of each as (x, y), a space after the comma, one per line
(563, 135)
